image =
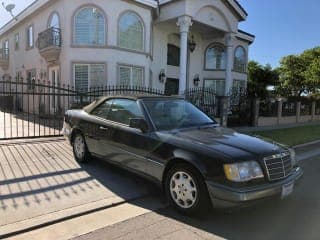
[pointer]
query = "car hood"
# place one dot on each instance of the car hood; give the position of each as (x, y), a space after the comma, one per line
(229, 142)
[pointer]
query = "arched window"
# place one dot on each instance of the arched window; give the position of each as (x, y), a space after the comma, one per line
(239, 60)
(131, 32)
(89, 27)
(215, 58)
(54, 36)
(54, 21)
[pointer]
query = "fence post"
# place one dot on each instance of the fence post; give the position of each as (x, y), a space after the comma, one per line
(279, 115)
(256, 109)
(313, 111)
(224, 106)
(298, 112)
(81, 100)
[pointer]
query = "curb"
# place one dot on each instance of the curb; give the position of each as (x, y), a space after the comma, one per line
(307, 144)
(28, 225)
(31, 140)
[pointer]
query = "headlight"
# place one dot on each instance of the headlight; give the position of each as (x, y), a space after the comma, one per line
(293, 156)
(243, 172)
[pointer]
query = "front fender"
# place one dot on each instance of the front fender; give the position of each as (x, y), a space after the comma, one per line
(190, 158)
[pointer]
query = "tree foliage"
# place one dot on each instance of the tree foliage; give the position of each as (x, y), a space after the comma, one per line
(259, 78)
(300, 73)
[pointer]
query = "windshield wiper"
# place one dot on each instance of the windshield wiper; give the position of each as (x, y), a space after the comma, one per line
(206, 124)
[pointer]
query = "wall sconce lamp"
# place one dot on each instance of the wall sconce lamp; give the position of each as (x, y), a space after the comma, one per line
(196, 80)
(162, 76)
(192, 44)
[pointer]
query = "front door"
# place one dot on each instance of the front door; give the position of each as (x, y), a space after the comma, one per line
(54, 94)
(172, 86)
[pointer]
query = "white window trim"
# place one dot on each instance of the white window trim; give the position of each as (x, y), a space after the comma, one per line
(143, 32)
(214, 79)
(245, 63)
(73, 36)
(16, 43)
(214, 45)
(89, 72)
(27, 37)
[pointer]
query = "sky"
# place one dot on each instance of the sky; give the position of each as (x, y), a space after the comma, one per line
(20, 5)
(281, 27)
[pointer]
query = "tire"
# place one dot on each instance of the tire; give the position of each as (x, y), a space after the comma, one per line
(186, 189)
(80, 149)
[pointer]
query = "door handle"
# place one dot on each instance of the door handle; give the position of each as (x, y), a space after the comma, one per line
(103, 128)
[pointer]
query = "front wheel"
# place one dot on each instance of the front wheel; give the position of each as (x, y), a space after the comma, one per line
(186, 189)
(80, 150)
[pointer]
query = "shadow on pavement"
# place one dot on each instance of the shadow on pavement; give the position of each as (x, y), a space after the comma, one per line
(296, 217)
(42, 177)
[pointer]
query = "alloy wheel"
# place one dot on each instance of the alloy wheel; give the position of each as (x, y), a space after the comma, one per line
(183, 189)
(79, 147)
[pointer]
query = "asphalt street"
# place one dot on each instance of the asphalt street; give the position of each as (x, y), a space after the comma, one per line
(296, 217)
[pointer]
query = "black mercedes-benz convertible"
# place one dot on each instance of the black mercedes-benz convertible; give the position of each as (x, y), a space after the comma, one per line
(170, 141)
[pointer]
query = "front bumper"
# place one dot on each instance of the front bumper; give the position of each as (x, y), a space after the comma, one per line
(223, 196)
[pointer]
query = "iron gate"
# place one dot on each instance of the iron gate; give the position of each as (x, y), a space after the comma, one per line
(30, 109)
(203, 98)
(241, 108)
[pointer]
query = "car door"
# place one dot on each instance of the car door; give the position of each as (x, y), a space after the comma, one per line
(99, 134)
(131, 146)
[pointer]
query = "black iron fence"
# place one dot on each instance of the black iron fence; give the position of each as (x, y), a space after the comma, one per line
(289, 109)
(205, 99)
(241, 108)
(268, 108)
(317, 112)
(35, 108)
(305, 107)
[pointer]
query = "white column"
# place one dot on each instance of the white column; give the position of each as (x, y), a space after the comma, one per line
(229, 63)
(184, 22)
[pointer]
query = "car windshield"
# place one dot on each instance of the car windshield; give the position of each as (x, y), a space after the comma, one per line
(169, 114)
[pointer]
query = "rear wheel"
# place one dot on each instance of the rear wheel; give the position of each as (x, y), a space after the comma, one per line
(186, 189)
(80, 150)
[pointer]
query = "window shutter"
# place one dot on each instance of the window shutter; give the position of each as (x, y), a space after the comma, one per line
(220, 87)
(215, 58)
(89, 27)
(124, 75)
(131, 32)
(97, 75)
(137, 76)
(81, 73)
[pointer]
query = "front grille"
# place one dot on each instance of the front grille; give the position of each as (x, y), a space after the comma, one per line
(278, 166)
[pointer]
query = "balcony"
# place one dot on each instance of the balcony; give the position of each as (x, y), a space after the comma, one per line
(4, 58)
(49, 44)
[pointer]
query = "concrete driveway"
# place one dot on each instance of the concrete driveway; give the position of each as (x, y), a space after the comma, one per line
(40, 182)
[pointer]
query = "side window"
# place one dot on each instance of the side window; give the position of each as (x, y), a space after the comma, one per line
(124, 109)
(102, 110)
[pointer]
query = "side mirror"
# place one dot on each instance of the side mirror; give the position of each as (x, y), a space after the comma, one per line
(139, 123)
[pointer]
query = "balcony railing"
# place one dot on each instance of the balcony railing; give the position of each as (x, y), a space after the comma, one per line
(49, 44)
(4, 58)
(49, 38)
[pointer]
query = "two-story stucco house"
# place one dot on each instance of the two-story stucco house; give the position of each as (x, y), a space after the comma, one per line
(169, 45)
